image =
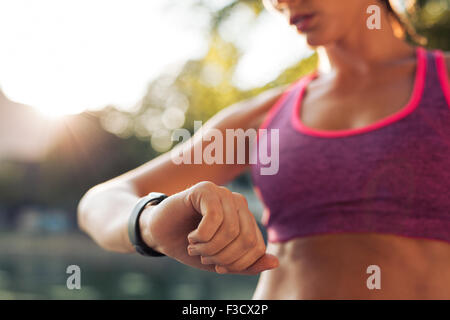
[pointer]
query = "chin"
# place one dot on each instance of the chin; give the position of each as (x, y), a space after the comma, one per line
(313, 42)
(317, 36)
(315, 39)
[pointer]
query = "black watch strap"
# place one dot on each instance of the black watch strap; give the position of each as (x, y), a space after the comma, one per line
(134, 231)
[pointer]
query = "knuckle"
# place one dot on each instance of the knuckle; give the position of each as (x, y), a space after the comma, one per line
(240, 198)
(202, 234)
(225, 190)
(260, 249)
(205, 185)
(226, 195)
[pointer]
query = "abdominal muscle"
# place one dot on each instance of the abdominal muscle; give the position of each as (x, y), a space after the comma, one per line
(334, 266)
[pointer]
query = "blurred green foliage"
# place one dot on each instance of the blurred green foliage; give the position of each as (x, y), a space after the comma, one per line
(433, 21)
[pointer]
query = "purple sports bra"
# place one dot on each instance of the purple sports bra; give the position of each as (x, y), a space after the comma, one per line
(392, 176)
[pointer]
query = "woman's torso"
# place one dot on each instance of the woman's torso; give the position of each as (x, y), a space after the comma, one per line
(334, 266)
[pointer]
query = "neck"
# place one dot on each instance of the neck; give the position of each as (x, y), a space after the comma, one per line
(363, 50)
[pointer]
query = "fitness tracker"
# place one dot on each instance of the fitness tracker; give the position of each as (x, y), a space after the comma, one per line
(134, 231)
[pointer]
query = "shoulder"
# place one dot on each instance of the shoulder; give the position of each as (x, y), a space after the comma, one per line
(250, 112)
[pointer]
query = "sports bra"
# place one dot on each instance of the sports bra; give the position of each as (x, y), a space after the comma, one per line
(392, 176)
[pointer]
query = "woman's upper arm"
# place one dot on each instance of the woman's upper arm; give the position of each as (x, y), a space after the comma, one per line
(162, 174)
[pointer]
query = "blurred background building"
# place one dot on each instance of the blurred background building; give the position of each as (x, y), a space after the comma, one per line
(92, 89)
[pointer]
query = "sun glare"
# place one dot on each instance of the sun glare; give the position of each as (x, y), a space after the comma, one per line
(64, 57)
(55, 112)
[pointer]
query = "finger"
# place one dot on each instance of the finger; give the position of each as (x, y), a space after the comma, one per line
(208, 204)
(228, 230)
(266, 262)
(251, 258)
(257, 250)
(246, 241)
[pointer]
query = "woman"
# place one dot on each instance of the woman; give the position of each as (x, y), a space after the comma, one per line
(359, 208)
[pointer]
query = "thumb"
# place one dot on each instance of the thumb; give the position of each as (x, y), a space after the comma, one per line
(266, 262)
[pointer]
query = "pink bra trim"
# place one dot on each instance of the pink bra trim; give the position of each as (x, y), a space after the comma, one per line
(419, 84)
(276, 106)
(273, 110)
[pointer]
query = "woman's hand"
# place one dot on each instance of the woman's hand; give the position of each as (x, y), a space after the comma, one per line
(208, 227)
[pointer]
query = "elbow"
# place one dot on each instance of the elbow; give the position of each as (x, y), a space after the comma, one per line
(81, 214)
(83, 209)
(91, 204)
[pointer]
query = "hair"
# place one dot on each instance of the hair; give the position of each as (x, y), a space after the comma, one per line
(407, 28)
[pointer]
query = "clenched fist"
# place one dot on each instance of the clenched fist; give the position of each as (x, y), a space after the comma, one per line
(208, 227)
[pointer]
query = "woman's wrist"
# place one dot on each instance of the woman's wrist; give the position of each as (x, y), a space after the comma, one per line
(144, 227)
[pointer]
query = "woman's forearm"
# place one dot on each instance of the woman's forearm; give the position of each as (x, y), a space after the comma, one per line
(103, 214)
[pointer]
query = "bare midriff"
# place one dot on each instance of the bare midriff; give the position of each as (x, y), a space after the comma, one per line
(334, 266)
